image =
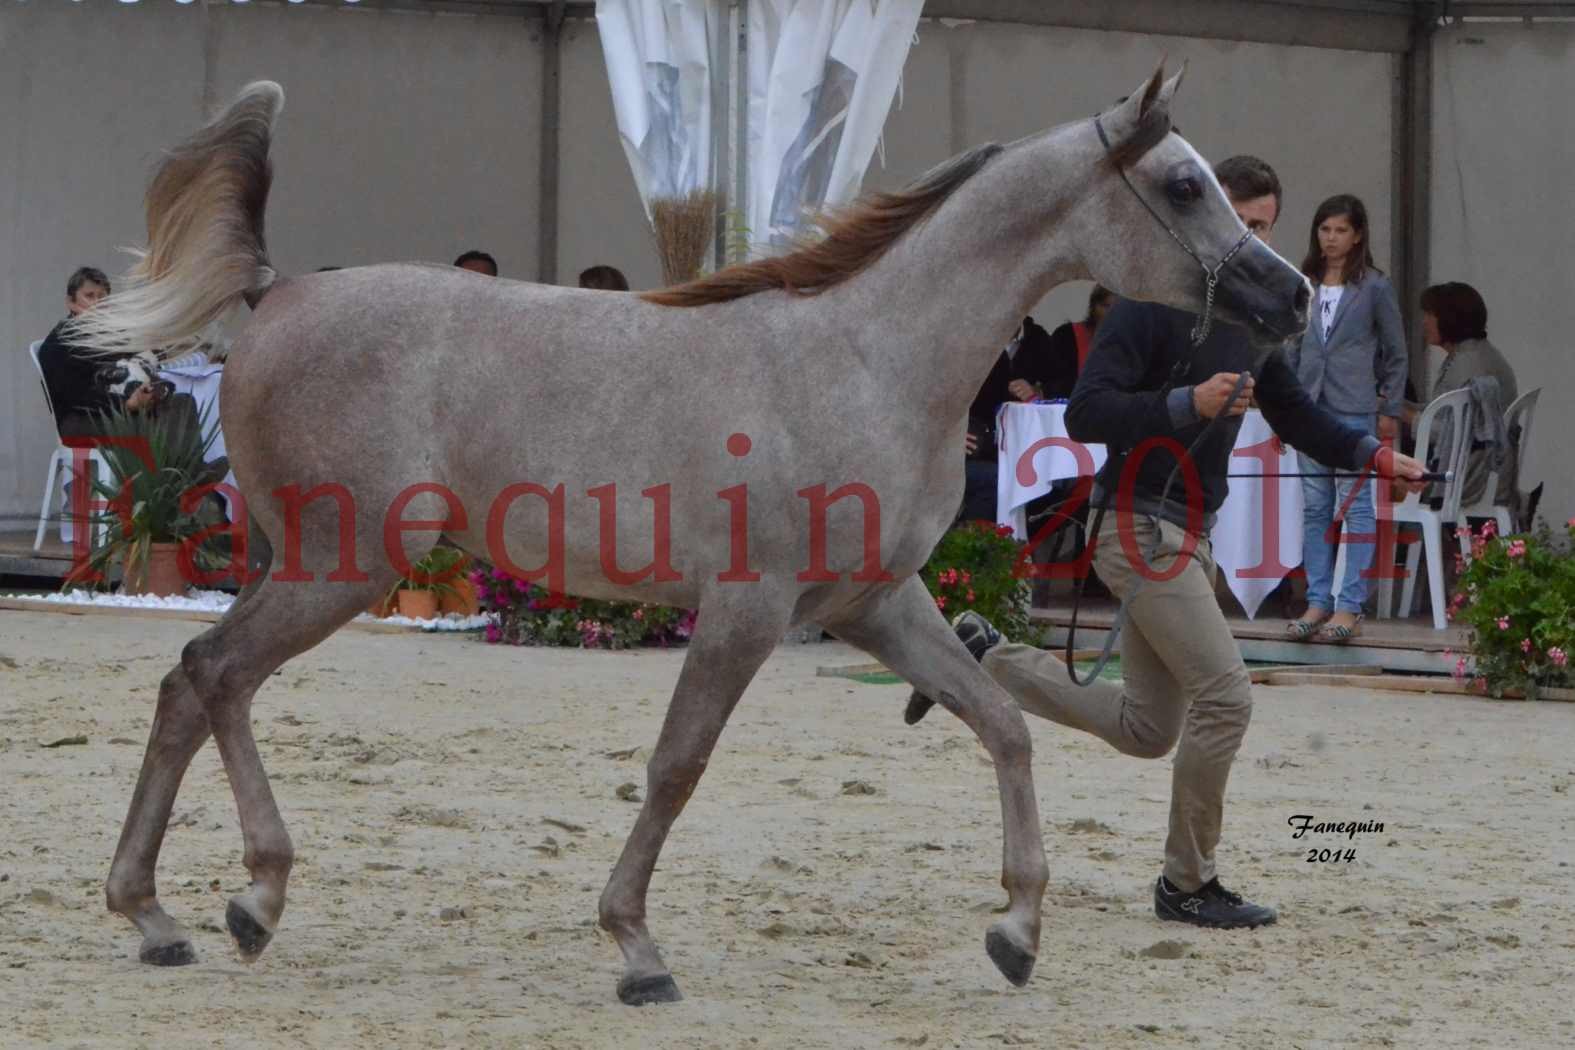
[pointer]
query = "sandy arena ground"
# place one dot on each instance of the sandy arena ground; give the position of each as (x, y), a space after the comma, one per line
(424, 773)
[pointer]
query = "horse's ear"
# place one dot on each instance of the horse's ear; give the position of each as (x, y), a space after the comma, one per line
(1141, 119)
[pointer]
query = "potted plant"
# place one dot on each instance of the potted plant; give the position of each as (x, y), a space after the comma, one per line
(975, 567)
(461, 598)
(428, 581)
(1518, 599)
(154, 459)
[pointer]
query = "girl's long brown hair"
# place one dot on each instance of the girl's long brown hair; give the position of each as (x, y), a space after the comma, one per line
(1361, 260)
(853, 239)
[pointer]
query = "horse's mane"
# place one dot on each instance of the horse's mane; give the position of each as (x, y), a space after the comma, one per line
(853, 239)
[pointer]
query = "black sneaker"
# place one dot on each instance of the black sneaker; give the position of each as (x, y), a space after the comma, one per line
(979, 635)
(1212, 905)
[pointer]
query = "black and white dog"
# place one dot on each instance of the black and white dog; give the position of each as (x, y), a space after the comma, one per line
(126, 375)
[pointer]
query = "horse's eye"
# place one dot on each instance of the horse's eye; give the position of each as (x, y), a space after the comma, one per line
(1184, 191)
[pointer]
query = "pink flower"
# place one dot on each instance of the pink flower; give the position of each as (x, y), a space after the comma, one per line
(1525, 645)
(970, 595)
(639, 614)
(1460, 668)
(482, 594)
(967, 577)
(494, 633)
(500, 575)
(1503, 623)
(1489, 529)
(1570, 524)
(521, 587)
(1558, 656)
(1479, 684)
(1462, 534)
(1517, 548)
(940, 603)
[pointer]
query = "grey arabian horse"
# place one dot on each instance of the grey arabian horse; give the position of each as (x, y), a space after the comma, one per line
(712, 433)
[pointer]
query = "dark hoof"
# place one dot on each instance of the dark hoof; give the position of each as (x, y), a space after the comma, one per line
(250, 937)
(1016, 964)
(918, 706)
(642, 991)
(180, 953)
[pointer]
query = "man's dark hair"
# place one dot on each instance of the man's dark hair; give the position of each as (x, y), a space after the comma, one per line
(605, 278)
(478, 256)
(1246, 178)
(85, 275)
(1460, 311)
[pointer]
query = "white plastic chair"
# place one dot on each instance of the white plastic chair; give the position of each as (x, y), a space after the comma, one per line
(61, 460)
(1455, 407)
(1521, 412)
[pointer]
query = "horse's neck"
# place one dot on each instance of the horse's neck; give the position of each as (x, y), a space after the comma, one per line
(943, 303)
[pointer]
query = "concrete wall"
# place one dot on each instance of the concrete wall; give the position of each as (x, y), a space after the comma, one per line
(404, 136)
(1504, 150)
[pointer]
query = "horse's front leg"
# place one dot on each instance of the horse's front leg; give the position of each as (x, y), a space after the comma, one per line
(732, 639)
(902, 628)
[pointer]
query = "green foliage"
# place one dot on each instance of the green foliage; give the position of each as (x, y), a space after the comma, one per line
(1518, 598)
(154, 463)
(974, 567)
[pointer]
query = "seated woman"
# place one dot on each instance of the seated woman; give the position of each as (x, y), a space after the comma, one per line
(1454, 317)
(1069, 345)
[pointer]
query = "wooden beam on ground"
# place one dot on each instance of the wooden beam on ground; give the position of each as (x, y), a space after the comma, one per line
(190, 615)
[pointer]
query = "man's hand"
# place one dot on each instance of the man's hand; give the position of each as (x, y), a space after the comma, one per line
(970, 444)
(1406, 471)
(1209, 397)
(1022, 389)
(1388, 428)
(140, 398)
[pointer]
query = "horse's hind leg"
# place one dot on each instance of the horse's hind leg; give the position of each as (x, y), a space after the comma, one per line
(226, 666)
(180, 726)
(728, 647)
(903, 629)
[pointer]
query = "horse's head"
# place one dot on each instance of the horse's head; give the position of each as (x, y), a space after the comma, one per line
(1158, 222)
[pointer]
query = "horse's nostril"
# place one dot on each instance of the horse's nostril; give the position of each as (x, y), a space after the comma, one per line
(1303, 296)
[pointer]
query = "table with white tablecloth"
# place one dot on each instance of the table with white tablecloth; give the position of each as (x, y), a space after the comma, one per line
(1257, 535)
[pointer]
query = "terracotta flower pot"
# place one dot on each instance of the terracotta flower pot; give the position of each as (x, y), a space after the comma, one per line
(418, 605)
(462, 599)
(384, 606)
(163, 578)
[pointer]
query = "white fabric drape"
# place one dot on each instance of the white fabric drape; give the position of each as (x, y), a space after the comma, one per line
(822, 77)
(658, 55)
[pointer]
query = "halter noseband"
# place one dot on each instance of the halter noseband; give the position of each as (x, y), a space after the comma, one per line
(1200, 330)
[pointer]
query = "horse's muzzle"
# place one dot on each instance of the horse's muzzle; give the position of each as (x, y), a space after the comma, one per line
(1262, 291)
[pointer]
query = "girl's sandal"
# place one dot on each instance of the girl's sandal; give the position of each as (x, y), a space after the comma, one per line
(1339, 633)
(1303, 629)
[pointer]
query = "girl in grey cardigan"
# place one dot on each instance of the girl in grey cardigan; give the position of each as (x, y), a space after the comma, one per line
(1352, 361)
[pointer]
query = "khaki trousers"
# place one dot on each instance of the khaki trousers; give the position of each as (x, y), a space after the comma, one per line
(1183, 679)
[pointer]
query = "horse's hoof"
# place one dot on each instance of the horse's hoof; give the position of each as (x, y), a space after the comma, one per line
(642, 991)
(177, 953)
(1016, 964)
(250, 936)
(918, 706)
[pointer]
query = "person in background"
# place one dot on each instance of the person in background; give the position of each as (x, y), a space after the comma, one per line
(1020, 375)
(1352, 362)
(604, 278)
(1069, 344)
(71, 375)
(478, 261)
(1454, 318)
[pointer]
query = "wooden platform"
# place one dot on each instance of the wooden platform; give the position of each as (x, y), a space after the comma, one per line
(51, 561)
(1392, 645)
